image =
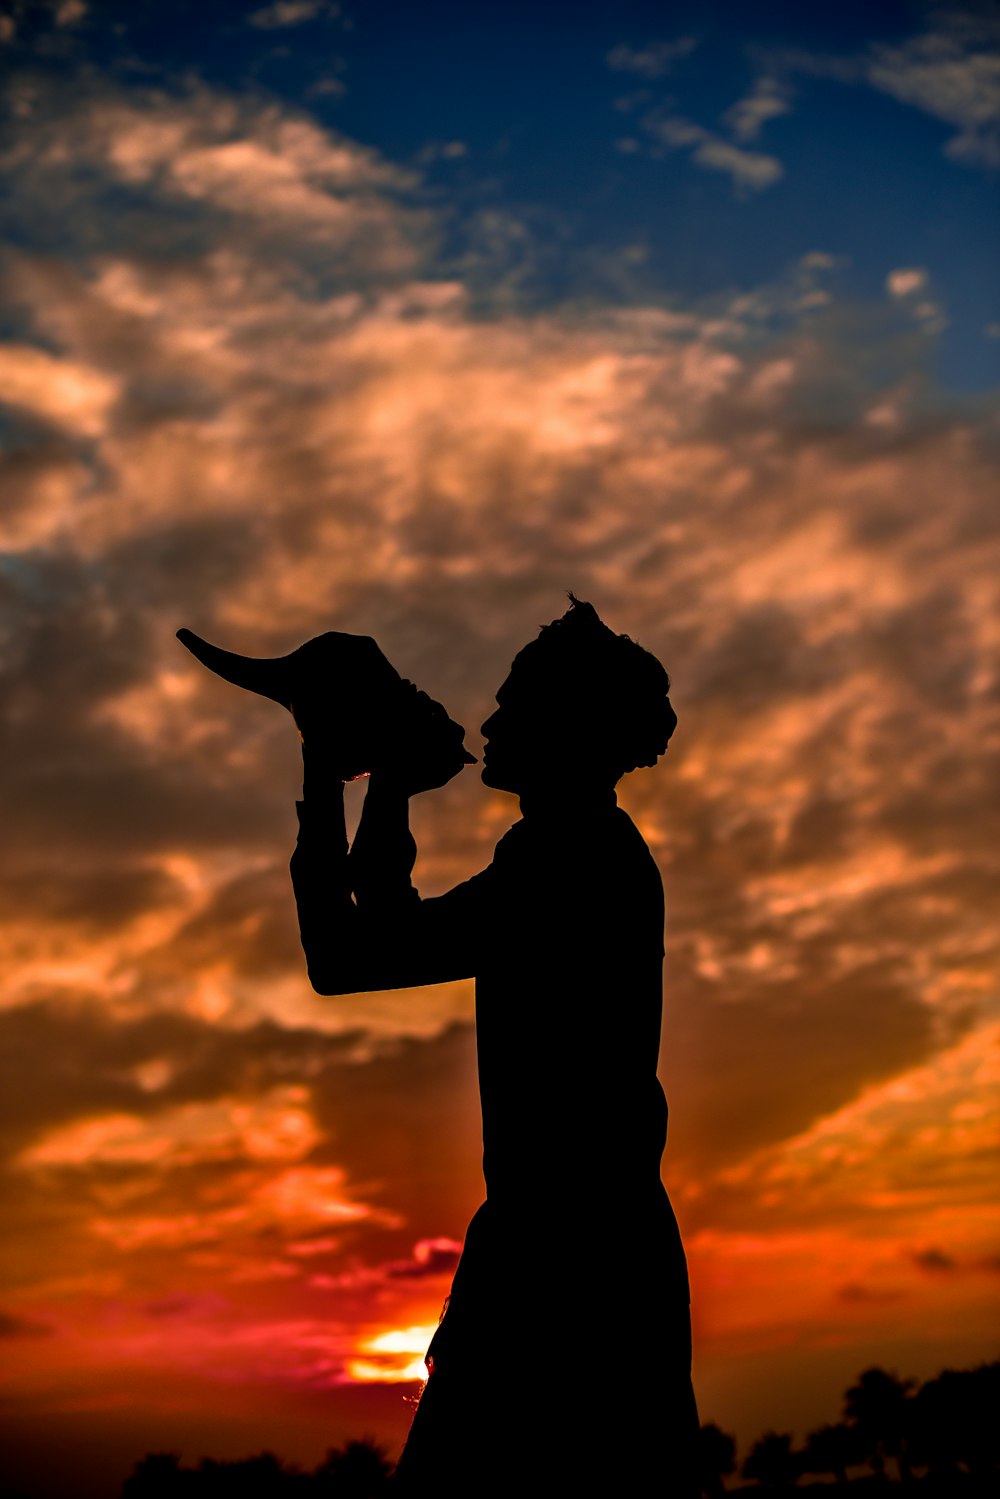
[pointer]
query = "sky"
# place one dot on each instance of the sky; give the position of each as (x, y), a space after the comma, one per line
(404, 320)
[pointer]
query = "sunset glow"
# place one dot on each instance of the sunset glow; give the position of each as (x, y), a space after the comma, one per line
(400, 1356)
(404, 328)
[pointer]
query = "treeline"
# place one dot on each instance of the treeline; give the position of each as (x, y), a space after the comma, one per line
(360, 1470)
(943, 1436)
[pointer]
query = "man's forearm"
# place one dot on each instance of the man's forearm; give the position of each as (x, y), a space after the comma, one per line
(319, 869)
(384, 852)
(345, 944)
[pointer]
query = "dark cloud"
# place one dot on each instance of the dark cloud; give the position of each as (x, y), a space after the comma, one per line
(183, 1306)
(432, 1257)
(22, 1327)
(97, 899)
(250, 919)
(402, 1123)
(935, 1261)
(65, 1060)
(853, 1293)
(408, 1123)
(746, 1068)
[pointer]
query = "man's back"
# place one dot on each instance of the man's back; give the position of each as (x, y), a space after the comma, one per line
(568, 999)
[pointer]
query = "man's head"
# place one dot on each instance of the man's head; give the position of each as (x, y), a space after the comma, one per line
(582, 706)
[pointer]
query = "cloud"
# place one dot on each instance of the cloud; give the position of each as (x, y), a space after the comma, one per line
(905, 282)
(183, 1306)
(856, 1293)
(290, 13)
(767, 100)
(442, 151)
(68, 1062)
(749, 170)
(906, 285)
(241, 1196)
(240, 162)
(197, 1112)
(653, 60)
(953, 75)
(950, 72)
(859, 1159)
(68, 12)
(836, 1033)
(273, 1127)
(935, 1261)
(69, 395)
(430, 1257)
(22, 1327)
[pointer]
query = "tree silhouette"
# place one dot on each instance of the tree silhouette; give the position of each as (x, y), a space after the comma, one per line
(262, 1477)
(832, 1449)
(880, 1410)
(771, 1461)
(158, 1475)
(357, 1471)
(716, 1458)
(957, 1422)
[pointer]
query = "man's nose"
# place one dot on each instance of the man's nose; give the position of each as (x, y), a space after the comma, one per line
(486, 728)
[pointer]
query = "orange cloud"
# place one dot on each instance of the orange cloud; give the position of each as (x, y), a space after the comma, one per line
(67, 394)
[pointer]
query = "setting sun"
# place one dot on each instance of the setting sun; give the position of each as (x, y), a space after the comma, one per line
(400, 1356)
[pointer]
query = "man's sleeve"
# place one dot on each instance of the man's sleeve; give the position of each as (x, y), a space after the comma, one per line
(390, 938)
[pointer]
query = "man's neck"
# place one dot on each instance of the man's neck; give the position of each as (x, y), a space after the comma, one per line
(567, 801)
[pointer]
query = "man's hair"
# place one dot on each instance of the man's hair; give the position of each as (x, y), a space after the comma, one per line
(618, 686)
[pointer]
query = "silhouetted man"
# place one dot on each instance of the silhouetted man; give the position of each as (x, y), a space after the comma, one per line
(562, 1362)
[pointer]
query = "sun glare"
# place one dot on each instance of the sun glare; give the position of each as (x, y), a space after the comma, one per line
(393, 1357)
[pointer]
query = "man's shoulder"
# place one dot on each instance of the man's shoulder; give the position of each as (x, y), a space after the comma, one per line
(610, 843)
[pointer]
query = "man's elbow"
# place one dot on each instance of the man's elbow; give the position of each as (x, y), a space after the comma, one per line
(328, 983)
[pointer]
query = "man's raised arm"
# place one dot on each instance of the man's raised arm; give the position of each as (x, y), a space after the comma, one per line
(362, 924)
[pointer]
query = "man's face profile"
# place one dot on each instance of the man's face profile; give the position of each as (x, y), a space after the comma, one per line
(511, 736)
(523, 738)
(531, 738)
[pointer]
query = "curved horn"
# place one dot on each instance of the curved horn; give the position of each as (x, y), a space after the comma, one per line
(268, 675)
